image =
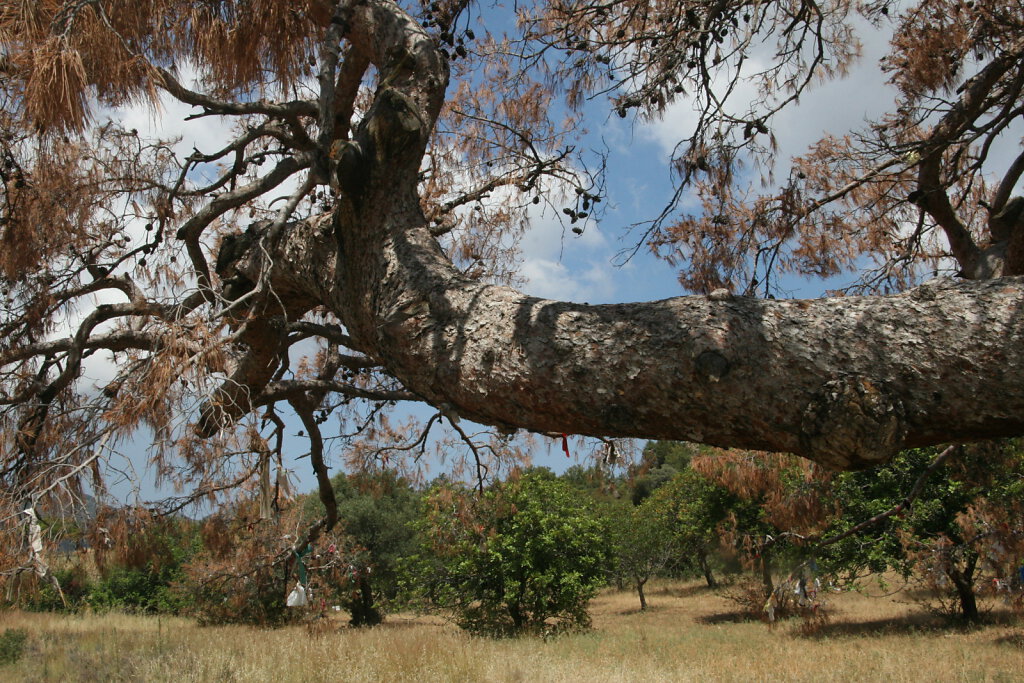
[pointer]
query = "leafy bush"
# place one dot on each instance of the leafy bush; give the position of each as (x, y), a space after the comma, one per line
(526, 557)
(133, 566)
(145, 590)
(12, 645)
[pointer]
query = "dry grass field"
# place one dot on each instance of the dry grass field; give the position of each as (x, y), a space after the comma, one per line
(688, 634)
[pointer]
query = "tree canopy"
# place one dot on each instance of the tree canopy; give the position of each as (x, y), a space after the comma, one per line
(352, 244)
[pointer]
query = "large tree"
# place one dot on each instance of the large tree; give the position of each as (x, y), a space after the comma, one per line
(383, 155)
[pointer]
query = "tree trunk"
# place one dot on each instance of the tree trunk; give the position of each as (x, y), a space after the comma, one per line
(963, 581)
(364, 612)
(766, 572)
(640, 592)
(847, 381)
(705, 566)
(516, 613)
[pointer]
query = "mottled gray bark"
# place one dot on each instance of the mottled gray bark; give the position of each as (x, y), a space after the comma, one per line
(847, 382)
(844, 381)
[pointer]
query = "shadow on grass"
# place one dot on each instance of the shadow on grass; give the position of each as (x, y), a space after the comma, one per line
(909, 625)
(913, 624)
(651, 608)
(684, 591)
(1016, 640)
(734, 617)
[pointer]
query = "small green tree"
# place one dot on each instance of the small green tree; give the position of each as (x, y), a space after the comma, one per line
(375, 515)
(525, 557)
(964, 525)
(692, 507)
(643, 543)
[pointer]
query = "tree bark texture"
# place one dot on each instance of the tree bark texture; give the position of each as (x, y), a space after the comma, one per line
(847, 382)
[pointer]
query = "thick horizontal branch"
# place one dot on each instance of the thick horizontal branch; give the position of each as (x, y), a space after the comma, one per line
(279, 391)
(112, 341)
(845, 381)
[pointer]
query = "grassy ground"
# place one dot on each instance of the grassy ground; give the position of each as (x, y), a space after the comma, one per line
(687, 634)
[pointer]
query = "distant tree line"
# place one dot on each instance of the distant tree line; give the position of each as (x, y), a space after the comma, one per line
(525, 555)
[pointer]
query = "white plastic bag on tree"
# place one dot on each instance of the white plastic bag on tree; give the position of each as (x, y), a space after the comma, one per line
(297, 598)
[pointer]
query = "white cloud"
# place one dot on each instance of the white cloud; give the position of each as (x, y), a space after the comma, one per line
(548, 238)
(559, 264)
(835, 106)
(551, 279)
(167, 121)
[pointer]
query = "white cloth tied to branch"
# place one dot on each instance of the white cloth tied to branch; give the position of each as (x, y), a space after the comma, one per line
(35, 543)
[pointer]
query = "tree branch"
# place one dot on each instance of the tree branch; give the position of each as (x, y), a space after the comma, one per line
(939, 460)
(304, 409)
(284, 110)
(286, 389)
(931, 193)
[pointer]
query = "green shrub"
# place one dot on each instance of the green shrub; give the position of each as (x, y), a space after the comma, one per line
(74, 582)
(143, 590)
(525, 558)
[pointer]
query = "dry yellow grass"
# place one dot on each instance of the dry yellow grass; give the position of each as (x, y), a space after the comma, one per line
(688, 634)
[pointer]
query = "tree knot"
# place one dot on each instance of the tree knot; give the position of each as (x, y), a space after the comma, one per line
(852, 424)
(712, 365)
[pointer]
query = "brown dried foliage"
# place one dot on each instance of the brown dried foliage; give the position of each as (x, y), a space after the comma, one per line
(788, 489)
(856, 196)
